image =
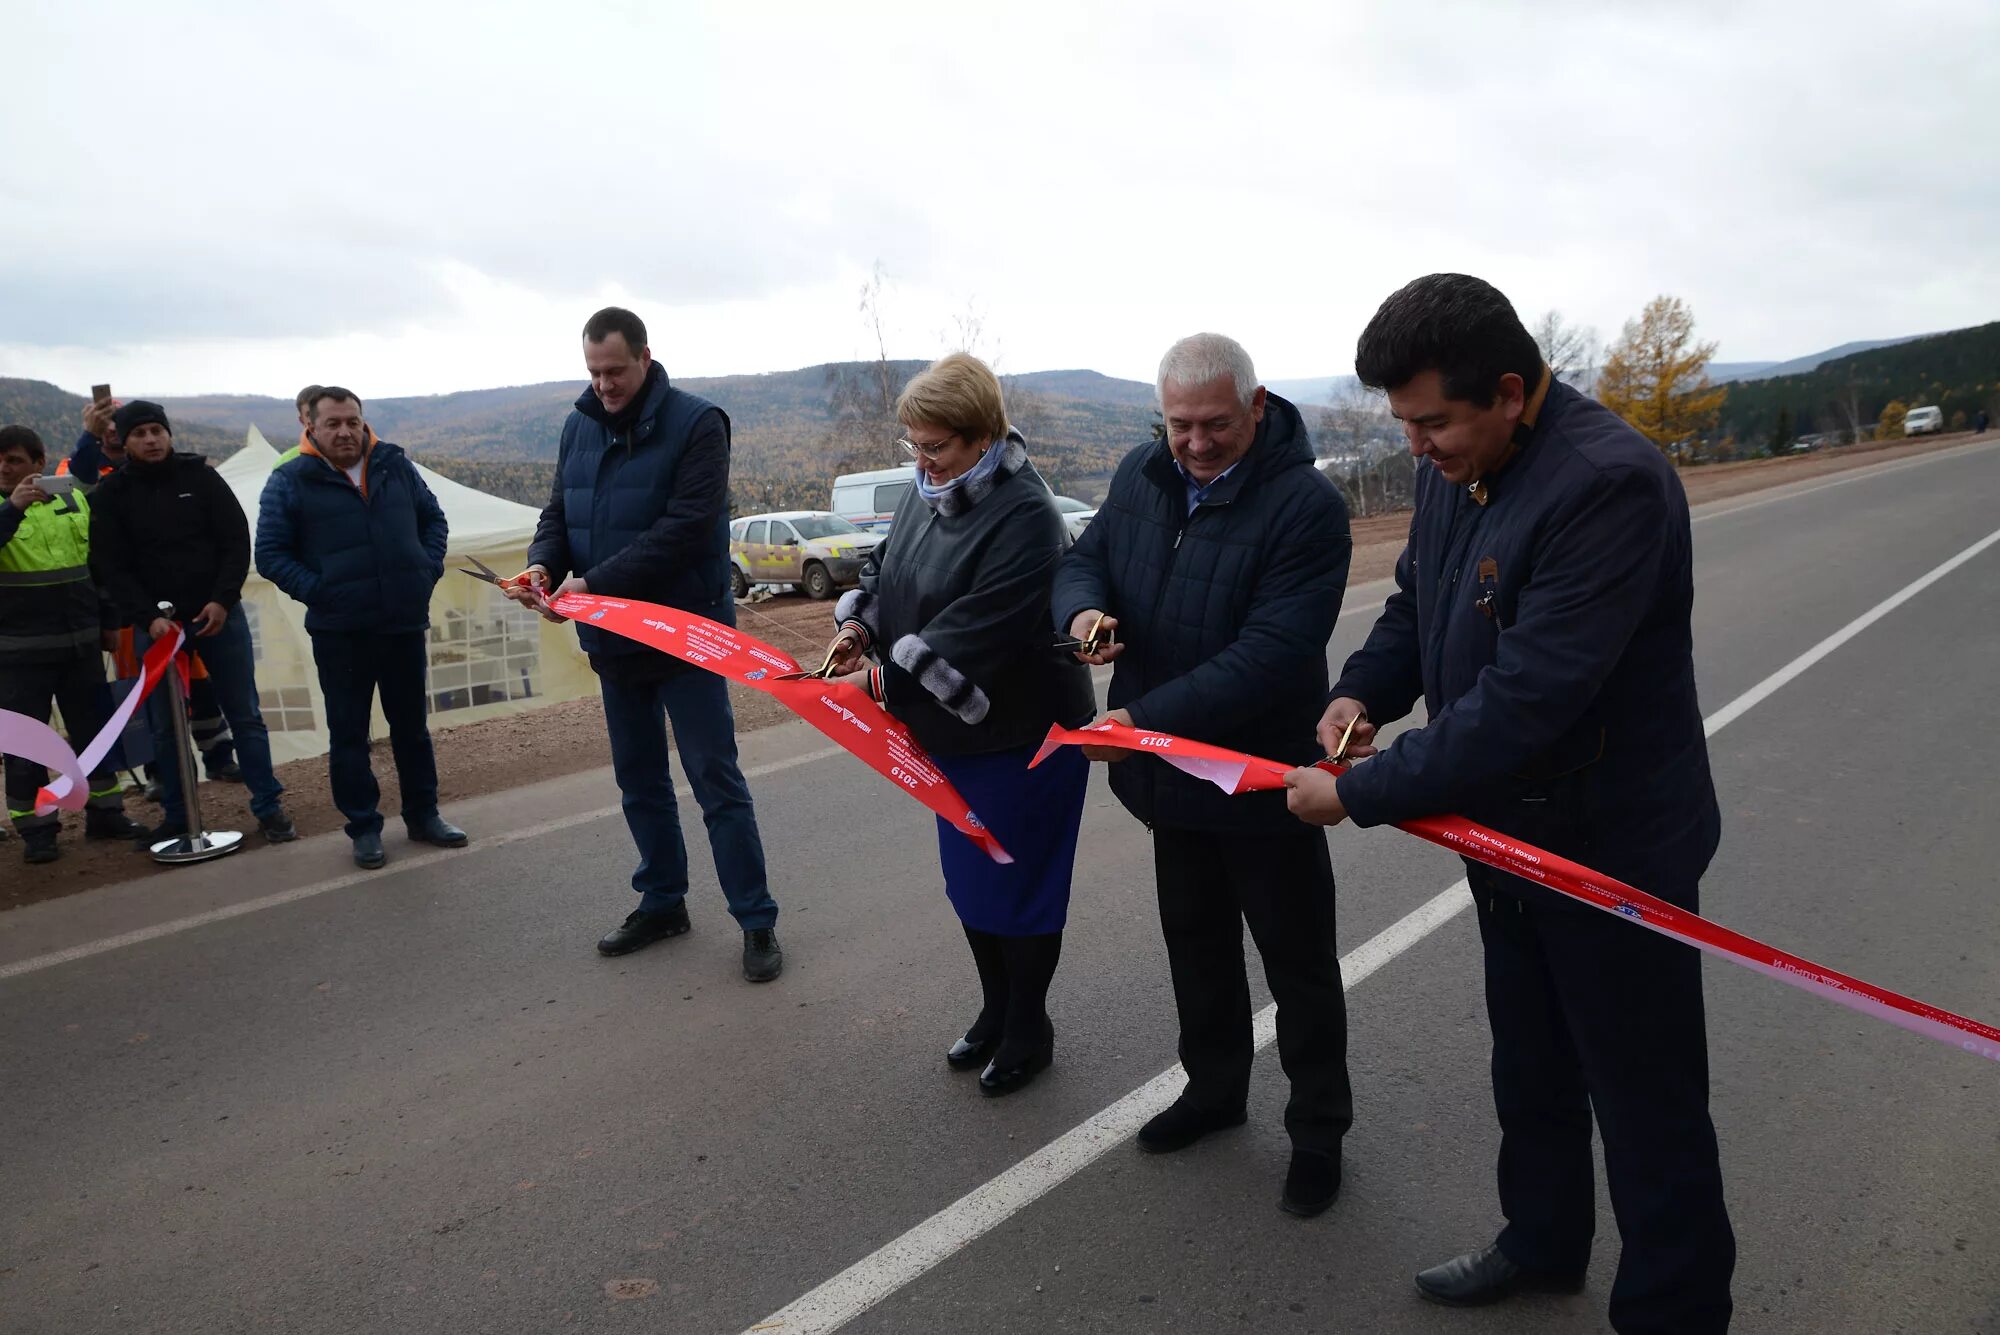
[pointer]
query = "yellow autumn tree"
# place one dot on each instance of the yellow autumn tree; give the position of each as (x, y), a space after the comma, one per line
(1656, 376)
(1890, 425)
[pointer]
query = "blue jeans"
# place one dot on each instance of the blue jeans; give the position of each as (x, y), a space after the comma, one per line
(636, 715)
(232, 669)
(353, 666)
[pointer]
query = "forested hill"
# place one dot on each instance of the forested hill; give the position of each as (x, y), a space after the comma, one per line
(57, 417)
(1957, 371)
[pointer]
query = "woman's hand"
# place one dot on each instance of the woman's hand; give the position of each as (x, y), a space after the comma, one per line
(844, 651)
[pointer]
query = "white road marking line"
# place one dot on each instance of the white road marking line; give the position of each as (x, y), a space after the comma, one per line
(882, 1272)
(1751, 698)
(514, 836)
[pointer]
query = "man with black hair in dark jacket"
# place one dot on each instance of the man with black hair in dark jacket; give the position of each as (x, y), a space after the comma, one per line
(166, 528)
(347, 527)
(1542, 615)
(1219, 560)
(640, 509)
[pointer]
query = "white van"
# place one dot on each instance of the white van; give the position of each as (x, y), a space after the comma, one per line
(870, 499)
(1923, 421)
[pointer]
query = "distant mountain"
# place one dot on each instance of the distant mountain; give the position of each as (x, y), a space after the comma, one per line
(1318, 389)
(57, 417)
(1079, 424)
(1725, 372)
(1090, 386)
(1721, 373)
(1958, 371)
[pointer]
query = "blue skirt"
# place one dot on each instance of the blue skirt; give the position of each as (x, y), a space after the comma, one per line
(1035, 814)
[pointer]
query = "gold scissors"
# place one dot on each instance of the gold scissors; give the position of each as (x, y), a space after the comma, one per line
(1091, 643)
(1339, 756)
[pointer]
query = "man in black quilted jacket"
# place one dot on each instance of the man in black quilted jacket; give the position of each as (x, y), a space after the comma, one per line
(1219, 559)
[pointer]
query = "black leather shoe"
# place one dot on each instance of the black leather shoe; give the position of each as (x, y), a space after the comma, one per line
(227, 772)
(643, 929)
(108, 824)
(40, 846)
(437, 830)
(368, 853)
(1183, 1124)
(966, 1055)
(996, 1080)
(1311, 1183)
(1487, 1276)
(763, 960)
(278, 827)
(165, 830)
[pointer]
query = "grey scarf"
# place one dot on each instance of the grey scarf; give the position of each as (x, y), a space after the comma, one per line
(976, 483)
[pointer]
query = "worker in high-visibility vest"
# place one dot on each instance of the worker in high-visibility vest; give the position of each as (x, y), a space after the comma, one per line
(52, 639)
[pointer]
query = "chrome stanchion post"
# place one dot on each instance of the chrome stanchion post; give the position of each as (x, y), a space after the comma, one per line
(197, 845)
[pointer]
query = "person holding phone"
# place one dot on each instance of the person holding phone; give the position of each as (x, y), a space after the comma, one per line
(52, 635)
(167, 528)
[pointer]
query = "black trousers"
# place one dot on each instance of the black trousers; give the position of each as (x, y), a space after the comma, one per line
(1591, 1014)
(1281, 884)
(75, 686)
(353, 666)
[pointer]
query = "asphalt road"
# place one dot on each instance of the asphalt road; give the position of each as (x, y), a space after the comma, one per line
(417, 1099)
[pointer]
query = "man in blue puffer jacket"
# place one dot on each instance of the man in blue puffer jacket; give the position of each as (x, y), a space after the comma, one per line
(640, 509)
(347, 527)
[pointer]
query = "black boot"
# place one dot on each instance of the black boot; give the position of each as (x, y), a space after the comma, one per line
(982, 1040)
(109, 823)
(1029, 1044)
(40, 844)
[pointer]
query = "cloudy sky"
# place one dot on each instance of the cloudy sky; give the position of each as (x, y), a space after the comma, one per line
(415, 198)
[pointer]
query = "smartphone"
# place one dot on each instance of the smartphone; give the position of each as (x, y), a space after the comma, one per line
(57, 484)
(99, 393)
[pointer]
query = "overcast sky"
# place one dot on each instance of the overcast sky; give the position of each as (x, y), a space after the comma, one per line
(408, 198)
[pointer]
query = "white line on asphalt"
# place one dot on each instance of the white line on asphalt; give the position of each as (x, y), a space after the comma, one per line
(889, 1268)
(1747, 701)
(294, 895)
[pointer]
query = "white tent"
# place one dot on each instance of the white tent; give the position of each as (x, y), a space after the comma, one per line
(488, 656)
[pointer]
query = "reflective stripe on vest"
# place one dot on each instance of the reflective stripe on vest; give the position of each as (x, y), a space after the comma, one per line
(52, 545)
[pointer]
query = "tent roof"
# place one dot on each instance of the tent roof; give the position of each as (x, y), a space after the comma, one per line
(478, 521)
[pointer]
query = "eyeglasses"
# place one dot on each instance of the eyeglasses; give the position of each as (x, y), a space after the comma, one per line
(930, 451)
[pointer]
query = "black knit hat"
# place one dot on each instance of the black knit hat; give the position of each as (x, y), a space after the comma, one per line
(136, 414)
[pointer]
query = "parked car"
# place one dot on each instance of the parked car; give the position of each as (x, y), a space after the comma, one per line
(815, 551)
(870, 499)
(1076, 514)
(1923, 421)
(1806, 443)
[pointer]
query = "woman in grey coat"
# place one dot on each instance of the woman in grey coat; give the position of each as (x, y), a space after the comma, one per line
(954, 607)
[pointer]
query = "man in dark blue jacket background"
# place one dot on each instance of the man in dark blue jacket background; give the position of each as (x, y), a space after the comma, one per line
(640, 509)
(348, 528)
(1220, 557)
(1542, 613)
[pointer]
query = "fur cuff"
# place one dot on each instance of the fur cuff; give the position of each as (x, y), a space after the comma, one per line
(858, 606)
(940, 678)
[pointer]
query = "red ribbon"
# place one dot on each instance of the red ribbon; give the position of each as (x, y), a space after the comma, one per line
(69, 789)
(841, 711)
(1234, 772)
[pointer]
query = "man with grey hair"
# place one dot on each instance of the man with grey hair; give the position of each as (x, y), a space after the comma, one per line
(1218, 561)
